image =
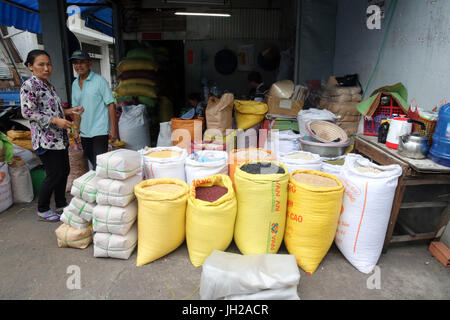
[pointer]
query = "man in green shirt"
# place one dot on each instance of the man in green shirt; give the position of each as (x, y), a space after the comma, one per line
(98, 122)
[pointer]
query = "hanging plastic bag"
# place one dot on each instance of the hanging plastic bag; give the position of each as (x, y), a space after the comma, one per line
(210, 225)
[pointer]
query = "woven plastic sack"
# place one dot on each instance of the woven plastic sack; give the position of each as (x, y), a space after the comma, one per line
(115, 220)
(136, 64)
(68, 236)
(21, 184)
(134, 127)
(172, 166)
(108, 245)
(161, 219)
(81, 208)
(78, 166)
(261, 215)
(85, 187)
(6, 197)
(301, 160)
(73, 220)
(227, 274)
(118, 164)
(206, 163)
(117, 193)
(312, 217)
(210, 225)
(248, 113)
(368, 198)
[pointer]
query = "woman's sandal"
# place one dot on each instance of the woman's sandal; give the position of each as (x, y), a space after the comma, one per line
(48, 216)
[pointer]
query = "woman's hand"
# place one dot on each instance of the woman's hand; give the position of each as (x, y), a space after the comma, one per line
(61, 123)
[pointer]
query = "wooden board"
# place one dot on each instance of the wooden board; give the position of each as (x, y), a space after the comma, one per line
(424, 166)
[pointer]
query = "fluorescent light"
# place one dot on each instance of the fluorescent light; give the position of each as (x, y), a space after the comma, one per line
(203, 14)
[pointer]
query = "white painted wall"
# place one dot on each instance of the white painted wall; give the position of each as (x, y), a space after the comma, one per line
(416, 52)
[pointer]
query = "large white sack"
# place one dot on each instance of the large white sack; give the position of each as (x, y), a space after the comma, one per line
(81, 208)
(367, 204)
(6, 198)
(198, 166)
(134, 127)
(305, 116)
(108, 245)
(226, 274)
(115, 220)
(74, 220)
(301, 160)
(21, 184)
(165, 134)
(333, 169)
(118, 164)
(164, 167)
(288, 293)
(117, 193)
(85, 187)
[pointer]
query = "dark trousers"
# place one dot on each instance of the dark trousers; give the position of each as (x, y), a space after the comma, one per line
(57, 168)
(94, 146)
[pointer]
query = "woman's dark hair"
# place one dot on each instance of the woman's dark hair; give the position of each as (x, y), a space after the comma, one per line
(33, 54)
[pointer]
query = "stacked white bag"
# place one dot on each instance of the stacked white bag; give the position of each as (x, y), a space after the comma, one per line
(114, 217)
(368, 198)
(78, 214)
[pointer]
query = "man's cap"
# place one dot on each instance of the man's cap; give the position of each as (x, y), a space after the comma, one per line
(80, 54)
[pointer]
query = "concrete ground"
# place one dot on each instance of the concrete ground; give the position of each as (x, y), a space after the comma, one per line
(33, 267)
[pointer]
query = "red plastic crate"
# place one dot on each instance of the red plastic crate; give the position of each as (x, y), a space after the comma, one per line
(382, 113)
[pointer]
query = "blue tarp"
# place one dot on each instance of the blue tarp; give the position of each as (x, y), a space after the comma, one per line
(22, 19)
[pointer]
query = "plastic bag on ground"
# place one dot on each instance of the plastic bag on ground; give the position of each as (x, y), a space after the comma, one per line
(368, 198)
(227, 274)
(134, 127)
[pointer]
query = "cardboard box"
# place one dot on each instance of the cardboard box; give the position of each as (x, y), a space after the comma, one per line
(283, 107)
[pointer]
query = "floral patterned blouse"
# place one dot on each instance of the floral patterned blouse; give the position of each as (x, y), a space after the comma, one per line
(39, 104)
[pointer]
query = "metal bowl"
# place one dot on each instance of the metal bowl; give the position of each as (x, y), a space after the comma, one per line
(329, 150)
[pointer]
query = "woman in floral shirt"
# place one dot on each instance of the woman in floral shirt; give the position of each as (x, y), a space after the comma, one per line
(42, 107)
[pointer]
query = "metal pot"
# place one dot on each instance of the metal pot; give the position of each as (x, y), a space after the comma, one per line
(413, 146)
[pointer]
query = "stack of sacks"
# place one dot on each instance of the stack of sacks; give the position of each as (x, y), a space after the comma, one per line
(343, 101)
(233, 276)
(78, 214)
(137, 78)
(115, 214)
(76, 230)
(20, 138)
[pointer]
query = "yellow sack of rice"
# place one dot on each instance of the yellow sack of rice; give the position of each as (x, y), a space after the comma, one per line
(314, 204)
(249, 113)
(137, 89)
(161, 217)
(136, 64)
(210, 217)
(68, 236)
(261, 192)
